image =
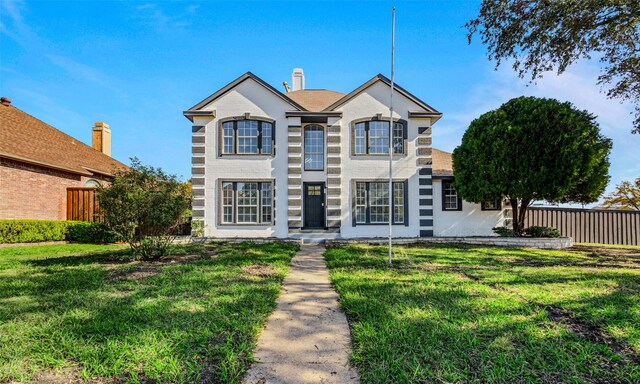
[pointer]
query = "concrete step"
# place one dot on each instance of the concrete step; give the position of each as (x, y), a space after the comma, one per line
(314, 237)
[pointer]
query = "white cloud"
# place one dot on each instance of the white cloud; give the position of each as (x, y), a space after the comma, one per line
(152, 15)
(82, 71)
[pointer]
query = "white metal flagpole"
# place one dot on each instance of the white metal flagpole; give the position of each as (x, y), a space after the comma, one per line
(393, 27)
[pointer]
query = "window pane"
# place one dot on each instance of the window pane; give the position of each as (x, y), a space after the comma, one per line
(267, 137)
(379, 202)
(313, 147)
(227, 202)
(398, 138)
(398, 202)
(247, 202)
(247, 136)
(227, 129)
(378, 137)
(267, 199)
(450, 196)
(361, 202)
(360, 139)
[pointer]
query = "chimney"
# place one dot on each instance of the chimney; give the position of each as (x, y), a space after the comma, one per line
(101, 138)
(5, 101)
(297, 79)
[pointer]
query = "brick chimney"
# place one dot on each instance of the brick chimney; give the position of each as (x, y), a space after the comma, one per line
(297, 79)
(101, 138)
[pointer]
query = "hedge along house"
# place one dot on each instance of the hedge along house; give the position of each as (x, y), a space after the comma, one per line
(39, 163)
(267, 163)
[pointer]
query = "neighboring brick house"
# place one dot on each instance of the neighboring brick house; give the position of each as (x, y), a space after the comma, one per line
(38, 163)
(267, 163)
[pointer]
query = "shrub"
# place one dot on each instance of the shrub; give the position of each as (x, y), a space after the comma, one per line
(541, 232)
(86, 232)
(145, 206)
(504, 232)
(32, 231)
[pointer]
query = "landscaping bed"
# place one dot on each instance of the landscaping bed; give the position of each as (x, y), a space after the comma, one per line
(78, 312)
(446, 313)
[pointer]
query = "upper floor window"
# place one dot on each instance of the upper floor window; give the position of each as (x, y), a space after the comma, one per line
(372, 137)
(313, 148)
(450, 199)
(247, 137)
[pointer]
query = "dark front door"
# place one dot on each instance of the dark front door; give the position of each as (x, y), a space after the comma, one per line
(314, 205)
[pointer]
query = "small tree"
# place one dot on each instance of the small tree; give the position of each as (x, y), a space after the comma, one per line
(532, 149)
(144, 205)
(626, 196)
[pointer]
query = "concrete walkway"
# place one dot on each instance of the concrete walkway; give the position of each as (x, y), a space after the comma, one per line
(307, 337)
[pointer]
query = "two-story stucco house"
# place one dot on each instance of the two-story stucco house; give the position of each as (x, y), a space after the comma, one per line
(274, 164)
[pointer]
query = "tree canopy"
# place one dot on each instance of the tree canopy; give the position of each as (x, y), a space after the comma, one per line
(144, 205)
(625, 197)
(550, 35)
(532, 149)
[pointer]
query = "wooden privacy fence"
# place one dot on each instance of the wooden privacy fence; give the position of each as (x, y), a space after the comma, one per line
(83, 205)
(589, 225)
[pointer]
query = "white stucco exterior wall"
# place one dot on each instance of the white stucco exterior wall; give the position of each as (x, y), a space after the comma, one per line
(247, 97)
(470, 221)
(372, 101)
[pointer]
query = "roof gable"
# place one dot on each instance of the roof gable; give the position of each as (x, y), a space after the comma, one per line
(28, 139)
(429, 111)
(222, 91)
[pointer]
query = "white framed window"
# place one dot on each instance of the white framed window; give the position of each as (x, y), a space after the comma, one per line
(246, 202)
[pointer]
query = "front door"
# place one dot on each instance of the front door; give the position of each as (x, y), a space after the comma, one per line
(313, 205)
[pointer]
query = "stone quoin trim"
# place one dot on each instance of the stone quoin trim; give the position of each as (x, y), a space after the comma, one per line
(334, 179)
(294, 179)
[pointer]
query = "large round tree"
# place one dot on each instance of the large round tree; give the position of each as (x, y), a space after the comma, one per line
(532, 149)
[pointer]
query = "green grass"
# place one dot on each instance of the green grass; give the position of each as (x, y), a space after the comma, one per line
(481, 314)
(87, 312)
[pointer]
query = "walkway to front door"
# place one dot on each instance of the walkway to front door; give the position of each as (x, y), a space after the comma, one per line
(307, 337)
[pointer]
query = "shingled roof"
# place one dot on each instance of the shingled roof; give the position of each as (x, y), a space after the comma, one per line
(315, 100)
(442, 163)
(25, 138)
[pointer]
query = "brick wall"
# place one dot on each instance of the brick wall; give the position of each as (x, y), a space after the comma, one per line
(32, 192)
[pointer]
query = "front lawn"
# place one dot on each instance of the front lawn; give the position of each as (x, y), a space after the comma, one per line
(482, 314)
(74, 311)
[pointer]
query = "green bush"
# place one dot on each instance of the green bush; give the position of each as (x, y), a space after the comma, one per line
(541, 232)
(86, 232)
(33, 231)
(504, 232)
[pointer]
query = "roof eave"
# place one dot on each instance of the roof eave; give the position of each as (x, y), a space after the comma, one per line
(190, 114)
(237, 82)
(422, 115)
(384, 79)
(27, 160)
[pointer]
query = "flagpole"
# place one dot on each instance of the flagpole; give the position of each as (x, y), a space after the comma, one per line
(393, 27)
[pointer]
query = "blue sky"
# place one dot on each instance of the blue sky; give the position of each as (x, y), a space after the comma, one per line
(138, 64)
